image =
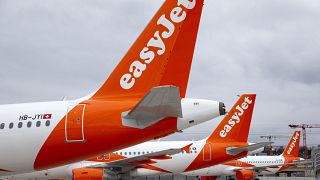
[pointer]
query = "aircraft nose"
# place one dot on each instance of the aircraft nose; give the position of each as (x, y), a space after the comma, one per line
(222, 108)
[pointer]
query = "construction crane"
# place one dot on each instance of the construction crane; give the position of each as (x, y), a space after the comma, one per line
(270, 138)
(304, 134)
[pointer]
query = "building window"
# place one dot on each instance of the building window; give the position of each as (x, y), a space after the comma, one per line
(20, 125)
(11, 125)
(38, 124)
(48, 123)
(29, 124)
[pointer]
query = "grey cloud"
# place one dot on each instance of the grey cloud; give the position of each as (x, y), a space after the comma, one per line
(55, 48)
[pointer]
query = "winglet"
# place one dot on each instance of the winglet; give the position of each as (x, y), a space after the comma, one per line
(159, 103)
(187, 148)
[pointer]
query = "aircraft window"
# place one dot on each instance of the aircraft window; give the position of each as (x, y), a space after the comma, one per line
(139, 153)
(20, 125)
(120, 153)
(48, 123)
(2, 126)
(11, 125)
(134, 153)
(142, 152)
(129, 153)
(29, 124)
(125, 153)
(38, 124)
(195, 151)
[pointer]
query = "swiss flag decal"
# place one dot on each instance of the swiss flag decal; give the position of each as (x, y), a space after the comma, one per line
(47, 116)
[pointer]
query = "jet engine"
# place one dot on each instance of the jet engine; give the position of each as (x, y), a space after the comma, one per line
(208, 178)
(245, 175)
(88, 173)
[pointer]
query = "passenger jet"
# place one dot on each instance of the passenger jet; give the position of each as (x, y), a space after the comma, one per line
(248, 167)
(141, 100)
(227, 142)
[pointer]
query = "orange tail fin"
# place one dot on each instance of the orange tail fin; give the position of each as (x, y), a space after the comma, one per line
(235, 125)
(292, 148)
(162, 54)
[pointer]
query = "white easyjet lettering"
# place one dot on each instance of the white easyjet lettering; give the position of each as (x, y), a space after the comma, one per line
(127, 81)
(167, 24)
(177, 15)
(293, 143)
(147, 55)
(187, 4)
(137, 68)
(236, 117)
(157, 42)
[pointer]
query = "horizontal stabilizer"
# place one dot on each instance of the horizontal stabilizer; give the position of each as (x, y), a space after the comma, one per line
(161, 102)
(252, 147)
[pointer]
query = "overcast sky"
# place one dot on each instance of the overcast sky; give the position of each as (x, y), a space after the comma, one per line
(55, 48)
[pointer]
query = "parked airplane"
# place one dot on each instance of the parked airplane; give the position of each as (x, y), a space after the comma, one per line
(228, 141)
(143, 99)
(248, 167)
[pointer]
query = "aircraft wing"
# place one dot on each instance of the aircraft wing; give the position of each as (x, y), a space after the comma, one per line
(300, 162)
(252, 147)
(161, 102)
(279, 165)
(144, 159)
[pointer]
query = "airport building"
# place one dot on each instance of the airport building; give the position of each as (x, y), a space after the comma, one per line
(316, 161)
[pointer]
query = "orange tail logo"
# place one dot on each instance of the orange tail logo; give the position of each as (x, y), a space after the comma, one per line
(162, 55)
(292, 148)
(147, 55)
(236, 117)
(236, 124)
